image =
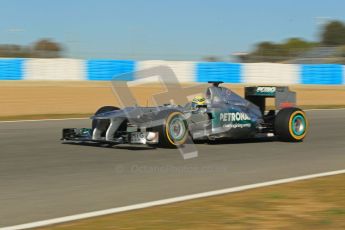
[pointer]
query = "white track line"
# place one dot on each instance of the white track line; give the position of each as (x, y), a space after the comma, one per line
(323, 109)
(166, 201)
(84, 118)
(57, 119)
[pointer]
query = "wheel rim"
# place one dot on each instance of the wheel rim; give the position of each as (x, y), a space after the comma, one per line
(177, 128)
(298, 125)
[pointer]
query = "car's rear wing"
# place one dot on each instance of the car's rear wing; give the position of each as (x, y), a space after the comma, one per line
(284, 98)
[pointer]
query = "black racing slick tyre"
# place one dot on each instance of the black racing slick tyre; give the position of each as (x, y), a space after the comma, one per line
(103, 124)
(291, 125)
(174, 130)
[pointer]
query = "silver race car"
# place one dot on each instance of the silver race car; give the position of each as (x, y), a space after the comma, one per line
(221, 115)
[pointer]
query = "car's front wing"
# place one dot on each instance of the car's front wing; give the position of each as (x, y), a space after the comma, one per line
(86, 135)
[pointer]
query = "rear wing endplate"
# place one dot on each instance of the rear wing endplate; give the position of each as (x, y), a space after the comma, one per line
(284, 98)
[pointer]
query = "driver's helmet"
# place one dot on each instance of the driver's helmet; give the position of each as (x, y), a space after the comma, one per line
(198, 102)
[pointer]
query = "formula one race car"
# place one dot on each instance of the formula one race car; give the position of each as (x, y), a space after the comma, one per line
(224, 115)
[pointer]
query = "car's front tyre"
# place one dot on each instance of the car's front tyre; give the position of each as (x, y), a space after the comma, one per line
(174, 130)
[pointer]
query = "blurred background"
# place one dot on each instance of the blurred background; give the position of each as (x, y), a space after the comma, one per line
(83, 45)
(328, 48)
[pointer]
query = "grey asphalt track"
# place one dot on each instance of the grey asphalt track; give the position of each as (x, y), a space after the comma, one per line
(40, 178)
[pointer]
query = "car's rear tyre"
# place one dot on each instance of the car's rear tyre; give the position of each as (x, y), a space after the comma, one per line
(174, 130)
(103, 124)
(291, 124)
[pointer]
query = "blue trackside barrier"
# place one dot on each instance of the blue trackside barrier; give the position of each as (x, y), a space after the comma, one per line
(219, 71)
(11, 69)
(107, 70)
(321, 74)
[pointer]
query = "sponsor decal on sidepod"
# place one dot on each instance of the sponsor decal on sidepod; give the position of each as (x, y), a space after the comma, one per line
(238, 116)
(235, 118)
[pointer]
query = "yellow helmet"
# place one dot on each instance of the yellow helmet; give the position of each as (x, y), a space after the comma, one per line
(199, 101)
